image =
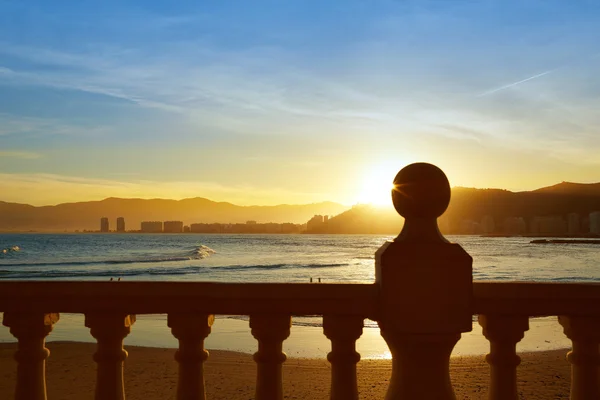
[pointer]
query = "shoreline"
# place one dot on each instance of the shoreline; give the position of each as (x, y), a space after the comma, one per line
(233, 334)
(151, 373)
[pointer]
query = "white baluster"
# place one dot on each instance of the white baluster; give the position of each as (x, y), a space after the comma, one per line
(191, 330)
(343, 331)
(584, 333)
(109, 331)
(503, 332)
(270, 331)
(31, 330)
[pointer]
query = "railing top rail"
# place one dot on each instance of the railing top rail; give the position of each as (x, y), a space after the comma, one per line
(537, 298)
(139, 297)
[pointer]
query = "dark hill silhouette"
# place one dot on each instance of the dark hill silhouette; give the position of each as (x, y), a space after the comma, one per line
(558, 200)
(473, 204)
(362, 218)
(578, 189)
(466, 204)
(86, 215)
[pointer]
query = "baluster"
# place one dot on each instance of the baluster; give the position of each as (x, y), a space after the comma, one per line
(426, 289)
(270, 331)
(584, 333)
(191, 330)
(109, 331)
(31, 330)
(503, 332)
(343, 331)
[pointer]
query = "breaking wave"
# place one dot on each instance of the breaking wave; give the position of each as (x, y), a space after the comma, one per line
(9, 250)
(156, 271)
(198, 253)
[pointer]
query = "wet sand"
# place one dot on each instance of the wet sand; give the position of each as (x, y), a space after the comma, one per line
(151, 373)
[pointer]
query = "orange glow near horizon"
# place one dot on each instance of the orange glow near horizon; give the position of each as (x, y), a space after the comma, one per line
(377, 184)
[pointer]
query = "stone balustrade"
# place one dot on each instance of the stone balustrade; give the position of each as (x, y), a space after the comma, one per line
(423, 299)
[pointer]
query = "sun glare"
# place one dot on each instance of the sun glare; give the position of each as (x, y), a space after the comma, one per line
(377, 184)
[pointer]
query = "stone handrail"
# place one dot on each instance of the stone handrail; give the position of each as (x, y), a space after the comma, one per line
(110, 308)
(423, 299)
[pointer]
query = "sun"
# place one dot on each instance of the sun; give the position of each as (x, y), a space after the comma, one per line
(377, 183)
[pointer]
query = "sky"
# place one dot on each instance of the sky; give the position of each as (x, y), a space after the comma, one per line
(270, 102)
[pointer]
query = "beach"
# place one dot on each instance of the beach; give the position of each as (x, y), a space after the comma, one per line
(151, 373)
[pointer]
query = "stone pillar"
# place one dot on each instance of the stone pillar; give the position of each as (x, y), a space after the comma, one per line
(426, 288)
(343, 331)
(584, 332)
(31, 330)
(109, 331)
(191, 330)
(503, 332)
(270, 331)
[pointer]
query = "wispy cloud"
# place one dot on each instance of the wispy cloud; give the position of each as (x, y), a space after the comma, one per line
(492, 91)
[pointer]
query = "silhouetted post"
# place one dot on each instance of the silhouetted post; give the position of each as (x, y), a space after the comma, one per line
(503, 332)
(584, 333)
(343, 331)
(31, 330)
(270, 331)
(109, 331)
(191, 330)
(426, 288)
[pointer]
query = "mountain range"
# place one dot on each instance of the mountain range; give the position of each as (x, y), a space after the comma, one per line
(560, 200)
(86, 215)
(466, 203)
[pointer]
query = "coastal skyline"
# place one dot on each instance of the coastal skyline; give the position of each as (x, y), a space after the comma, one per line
(301, 102)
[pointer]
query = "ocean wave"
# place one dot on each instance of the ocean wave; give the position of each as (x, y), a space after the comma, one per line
(9, 250)
(198, 253)
(160, 271)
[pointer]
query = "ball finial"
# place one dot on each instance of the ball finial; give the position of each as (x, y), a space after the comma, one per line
(421, 190)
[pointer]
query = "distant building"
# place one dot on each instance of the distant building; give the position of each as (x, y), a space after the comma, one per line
(186, 229)
(487, 224)
(120, 224)
(104, 227)
(250, 222)
(515, 226)
(315, 223)
(152, 227)
(548, 226)
(573, 224)
(595, 222)
(173, 227)
(468, 227)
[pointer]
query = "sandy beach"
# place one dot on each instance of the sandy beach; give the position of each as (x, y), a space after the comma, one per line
(151, 373)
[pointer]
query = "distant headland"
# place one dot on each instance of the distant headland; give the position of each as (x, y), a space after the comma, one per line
(565, 209)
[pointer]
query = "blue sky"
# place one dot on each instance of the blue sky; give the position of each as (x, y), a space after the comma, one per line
(270, 102)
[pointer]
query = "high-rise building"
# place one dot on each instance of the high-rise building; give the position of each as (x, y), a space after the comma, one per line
(173, 227)
(120, 224)
(514, 226)
(152, 227)
(487, 224)
(104, 224)
(315, 223)
(548, 225)
(595, 222)
(573, 224)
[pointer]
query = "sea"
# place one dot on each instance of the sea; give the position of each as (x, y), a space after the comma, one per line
(267, 258)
